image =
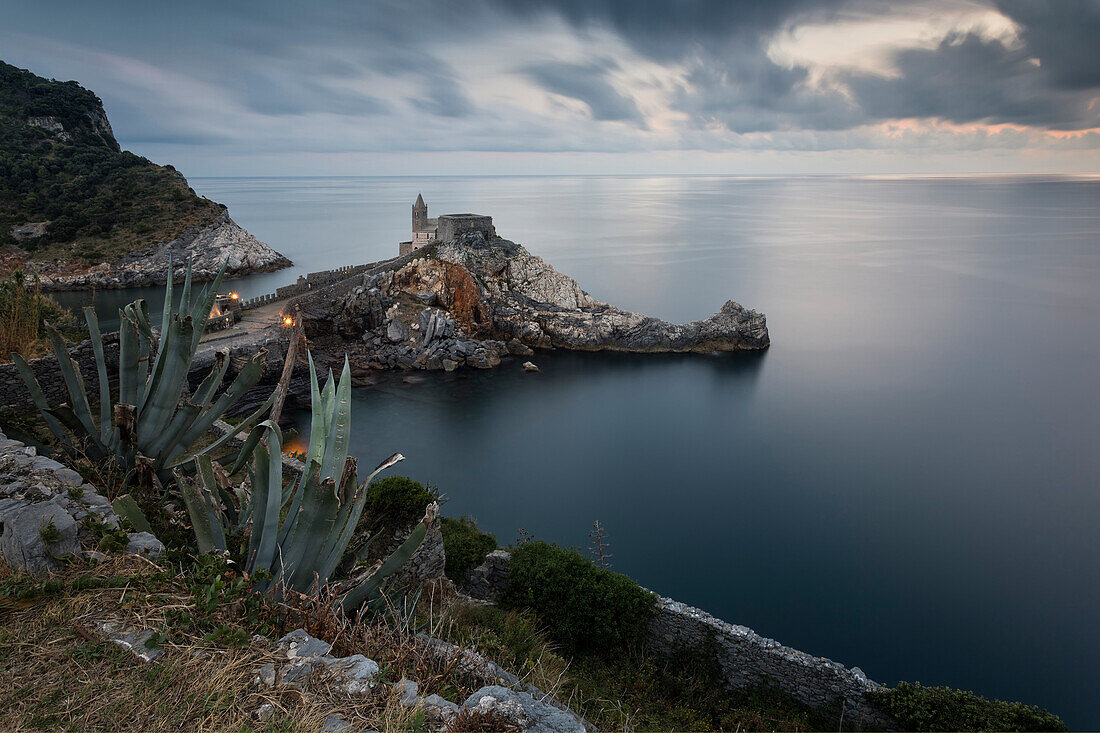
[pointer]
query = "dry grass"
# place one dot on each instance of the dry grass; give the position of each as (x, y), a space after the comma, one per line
(58, 673)
(22, 311)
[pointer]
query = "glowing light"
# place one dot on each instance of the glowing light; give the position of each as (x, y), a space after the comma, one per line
(235, 296)
(288, 321)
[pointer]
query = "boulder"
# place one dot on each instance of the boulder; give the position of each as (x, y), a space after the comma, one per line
(144, 543)
(37, 536)
(524, 710)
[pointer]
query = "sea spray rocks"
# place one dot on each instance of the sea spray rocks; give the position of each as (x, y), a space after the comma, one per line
(472, 302)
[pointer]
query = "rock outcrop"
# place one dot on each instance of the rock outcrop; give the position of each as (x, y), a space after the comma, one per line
(48, 513)
(473, 301)
(206, 247)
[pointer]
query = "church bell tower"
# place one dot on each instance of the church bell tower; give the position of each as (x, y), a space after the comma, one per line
(420, 214)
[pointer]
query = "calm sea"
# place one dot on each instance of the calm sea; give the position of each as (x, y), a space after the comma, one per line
(907, 481)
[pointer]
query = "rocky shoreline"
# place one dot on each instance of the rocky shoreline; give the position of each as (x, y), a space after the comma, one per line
(207, 247)
(473, 301)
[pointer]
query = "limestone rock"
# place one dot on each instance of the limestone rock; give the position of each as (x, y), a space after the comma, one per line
(298, 644)
(527, 712)
(408, 690)
(530, 366)
(223, 240)
(36, 536)
(438, 710)
(132, 638)
(336, 724)
(144, 543)
(518, 348)
(356, 672)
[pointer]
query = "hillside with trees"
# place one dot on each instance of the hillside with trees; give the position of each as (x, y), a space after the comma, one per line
(68, 192)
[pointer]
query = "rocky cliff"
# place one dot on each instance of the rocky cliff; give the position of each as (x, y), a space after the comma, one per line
(206, 247)
(475, 300)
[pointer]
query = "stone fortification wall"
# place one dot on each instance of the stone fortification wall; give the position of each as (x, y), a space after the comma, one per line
(452, 226)
(747, 659)
(14, 394)
(341, 287)
(306, 283)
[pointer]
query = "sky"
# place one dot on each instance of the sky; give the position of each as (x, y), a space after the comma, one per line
(448, 87)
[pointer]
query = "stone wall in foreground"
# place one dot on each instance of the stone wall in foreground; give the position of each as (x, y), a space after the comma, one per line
(14, 394)
(747, 659)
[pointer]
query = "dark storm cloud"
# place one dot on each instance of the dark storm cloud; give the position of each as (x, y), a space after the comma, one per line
(393, 75)
(589, 84)
(967, 80)
(664, 29)
(724, 43)
(1064, 35)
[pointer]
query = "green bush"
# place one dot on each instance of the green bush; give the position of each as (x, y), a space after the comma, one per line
(920, 708)
(465, 546)
(397, 501)
(584, 608)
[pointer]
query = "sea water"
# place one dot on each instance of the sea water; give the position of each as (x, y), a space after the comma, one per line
(908, 480)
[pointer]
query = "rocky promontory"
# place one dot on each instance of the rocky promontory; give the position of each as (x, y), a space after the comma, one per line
(206, 247)
(474, 300)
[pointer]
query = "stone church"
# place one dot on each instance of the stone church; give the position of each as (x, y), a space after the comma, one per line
(444, 228)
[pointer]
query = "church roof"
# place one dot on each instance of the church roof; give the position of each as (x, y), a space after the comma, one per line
(419, 200)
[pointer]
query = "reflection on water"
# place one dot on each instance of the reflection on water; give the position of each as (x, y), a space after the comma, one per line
(906, 481)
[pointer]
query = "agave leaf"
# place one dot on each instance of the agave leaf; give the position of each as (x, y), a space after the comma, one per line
(209, 533)
(39, 399)
(129, 353)
(341, 421)
(267, 485)
(200, 314)
(209, 420)
(315, 451)
(213, 380)
(244, 381)
(185, 296)
(315, 520)
(344, 529)
(210, 487)
(166, 313)
(127, 508)
(101, 367)
(74, 383)
(169, 437)
(166, 388)
(368, 589)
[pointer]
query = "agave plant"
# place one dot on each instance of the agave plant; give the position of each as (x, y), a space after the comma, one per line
(152, 422)
(322, 510)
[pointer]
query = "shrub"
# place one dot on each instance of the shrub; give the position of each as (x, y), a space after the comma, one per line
(583, 607)
(465, 546)
(398, 501)
(920, 708)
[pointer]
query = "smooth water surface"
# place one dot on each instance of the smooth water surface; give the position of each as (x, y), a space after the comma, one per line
(906, 481)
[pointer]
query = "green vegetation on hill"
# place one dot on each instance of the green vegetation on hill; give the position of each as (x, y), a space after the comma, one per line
(66, 169)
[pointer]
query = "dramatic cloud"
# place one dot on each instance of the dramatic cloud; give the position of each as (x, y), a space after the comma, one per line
(642, 81)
